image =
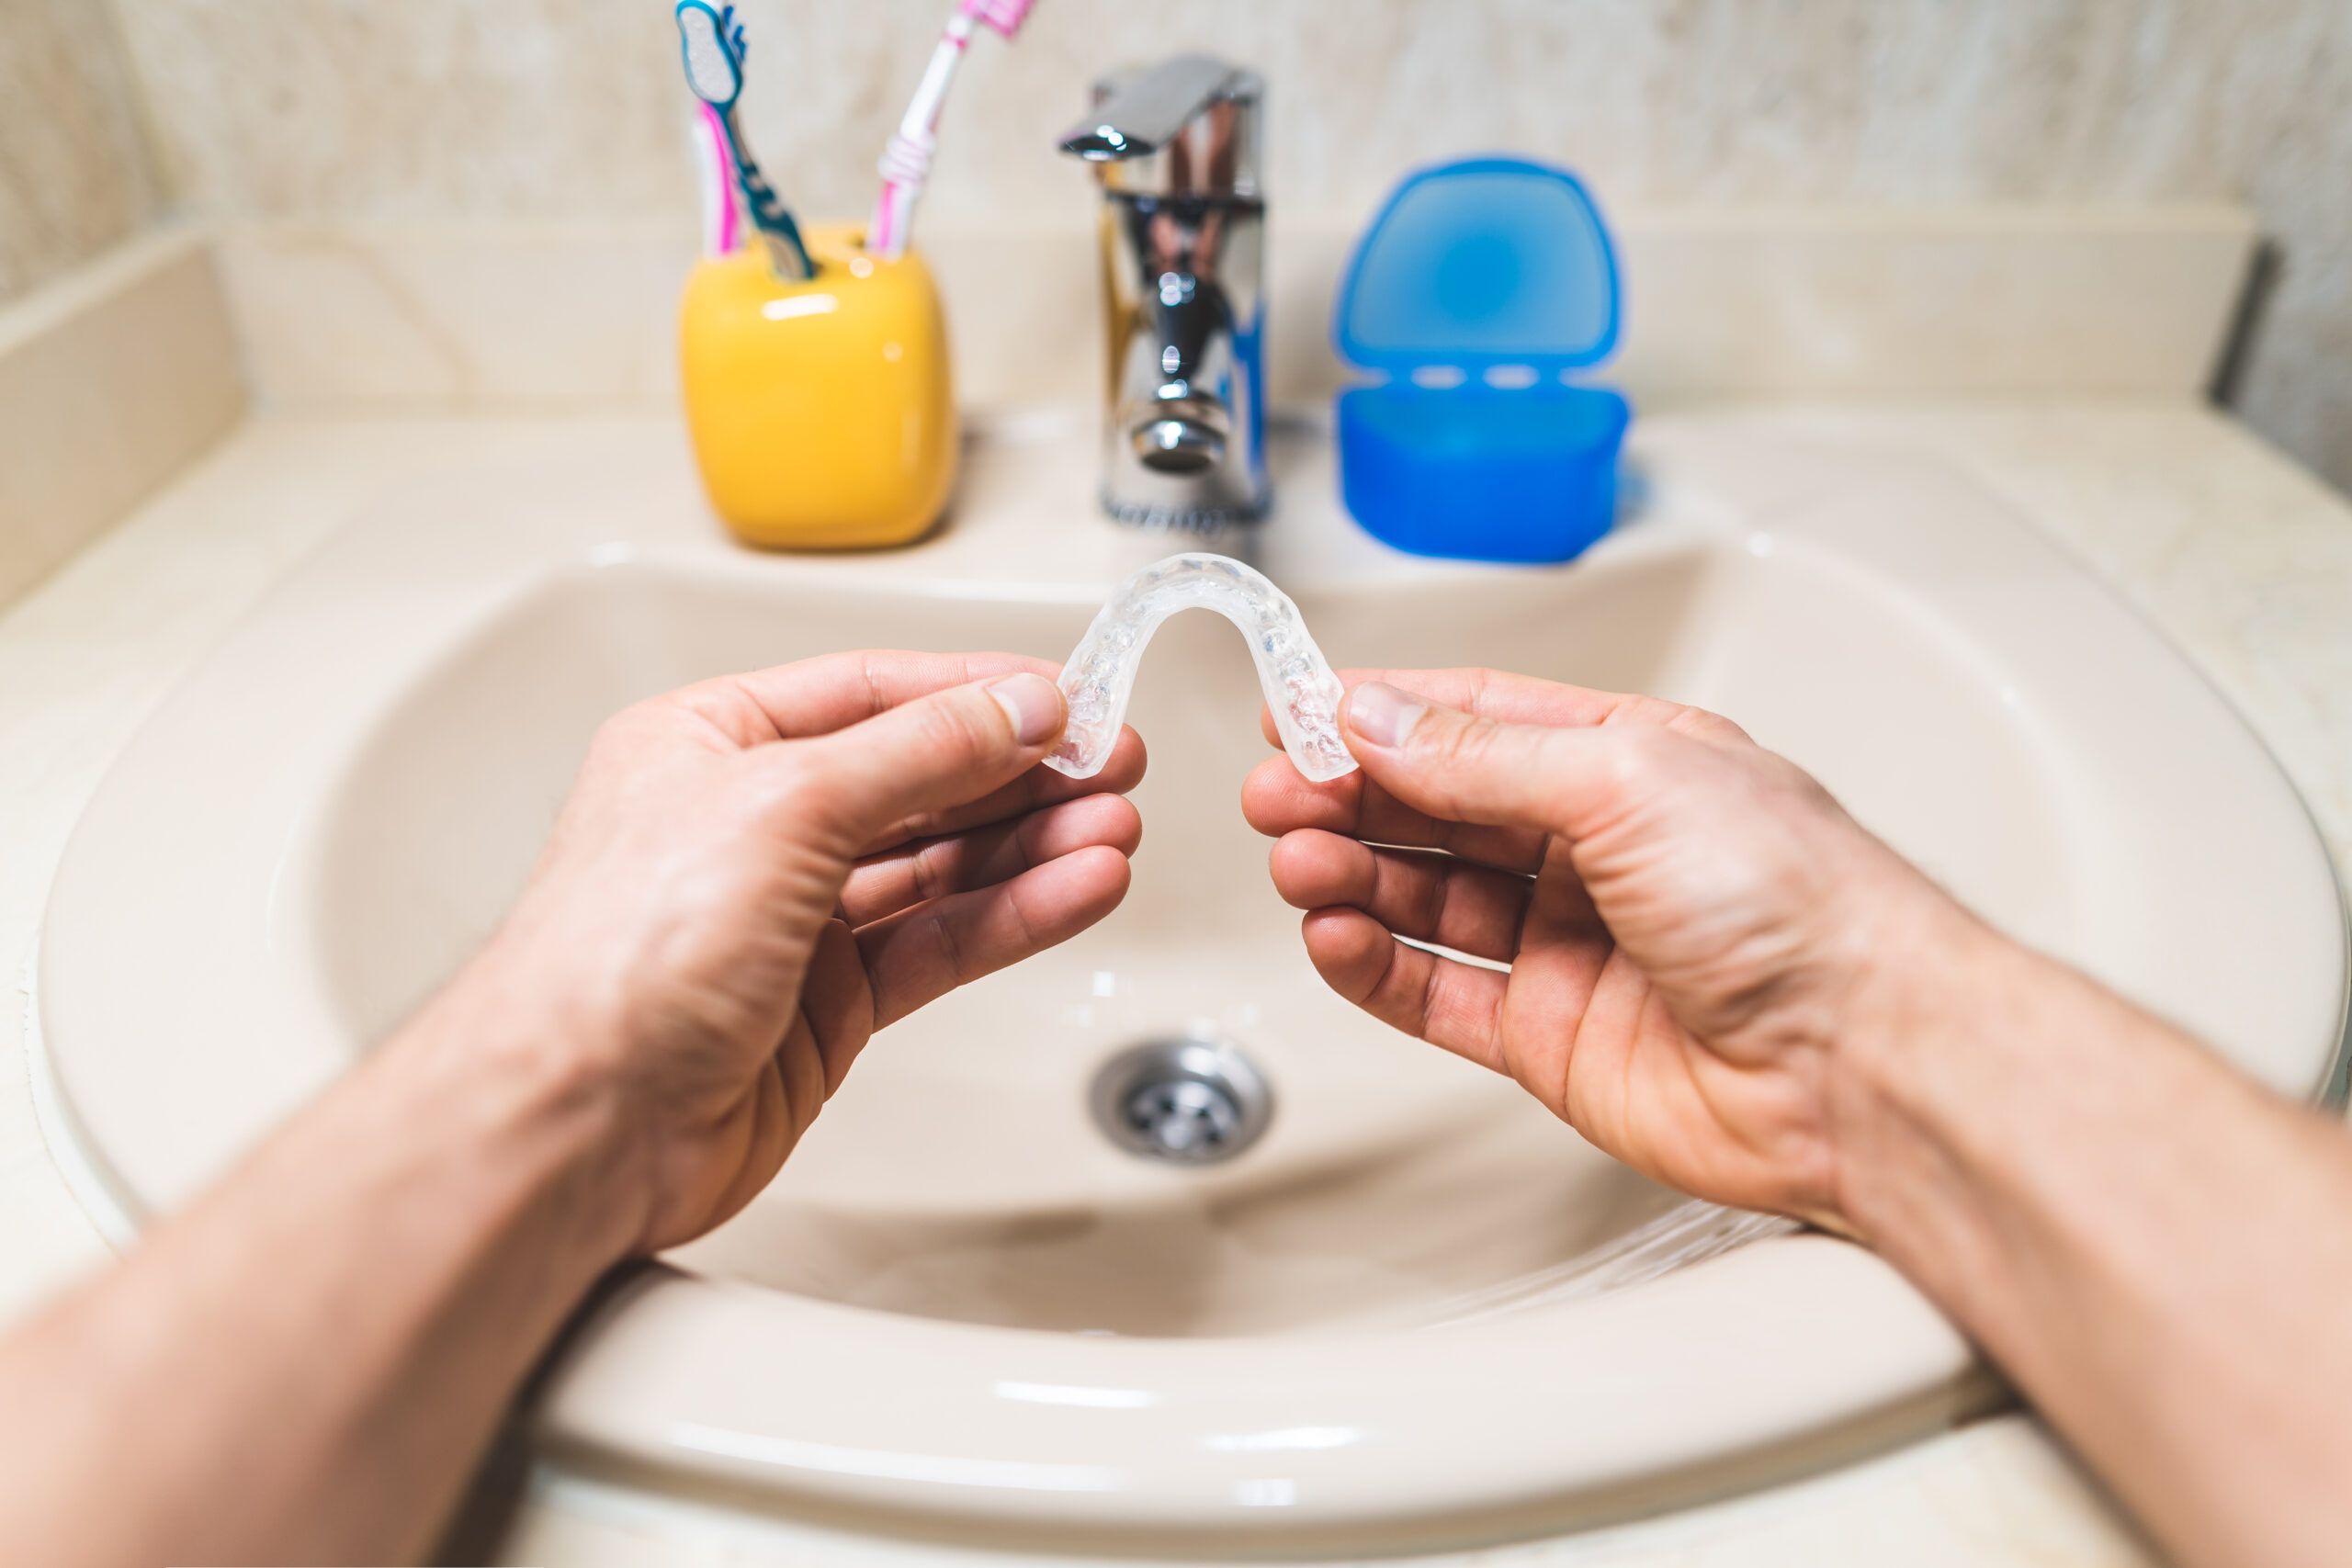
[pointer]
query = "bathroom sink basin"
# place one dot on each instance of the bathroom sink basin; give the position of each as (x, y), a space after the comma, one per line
(963, 1307)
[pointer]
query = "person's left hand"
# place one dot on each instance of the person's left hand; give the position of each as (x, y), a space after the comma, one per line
(754, 873)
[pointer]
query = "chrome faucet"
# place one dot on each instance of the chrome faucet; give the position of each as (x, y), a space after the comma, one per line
(1175, 148)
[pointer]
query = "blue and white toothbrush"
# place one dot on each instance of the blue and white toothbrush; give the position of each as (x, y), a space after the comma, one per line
(711, 40)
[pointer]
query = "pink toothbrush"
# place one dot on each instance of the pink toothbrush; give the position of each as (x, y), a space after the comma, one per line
(906, 163)
(721, 225)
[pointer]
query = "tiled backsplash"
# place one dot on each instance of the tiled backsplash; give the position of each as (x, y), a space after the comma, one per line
(111, 381)
(331, 112)
(434, 108)
(1791, 303)
(75, 177)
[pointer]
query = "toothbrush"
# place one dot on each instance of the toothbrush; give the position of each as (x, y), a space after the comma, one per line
(712, 44)
(906, 162)
(715, 165)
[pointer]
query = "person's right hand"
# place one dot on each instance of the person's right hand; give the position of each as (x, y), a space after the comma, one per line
(1698, 936)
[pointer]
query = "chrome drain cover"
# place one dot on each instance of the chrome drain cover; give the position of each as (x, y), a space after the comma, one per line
(1185, 1101)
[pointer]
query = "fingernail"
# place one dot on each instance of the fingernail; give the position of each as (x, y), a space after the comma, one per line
(1382, 714)
(1033, 704)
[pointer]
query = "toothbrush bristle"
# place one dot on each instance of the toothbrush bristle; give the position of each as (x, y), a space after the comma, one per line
(1004, 15)
(710, 68)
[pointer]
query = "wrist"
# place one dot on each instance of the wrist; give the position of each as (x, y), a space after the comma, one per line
(528, 1094)
(1969, 1090)
(1914, 1062)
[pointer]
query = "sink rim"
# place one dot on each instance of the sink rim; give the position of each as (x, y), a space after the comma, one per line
(597, 1401)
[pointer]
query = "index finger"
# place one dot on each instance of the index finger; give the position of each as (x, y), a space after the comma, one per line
(1275, 800)
(833, 691)
(1529, 699)
(1037, 787)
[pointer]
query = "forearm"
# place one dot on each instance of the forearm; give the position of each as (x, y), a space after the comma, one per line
(306, 1364)
(2153, 1248)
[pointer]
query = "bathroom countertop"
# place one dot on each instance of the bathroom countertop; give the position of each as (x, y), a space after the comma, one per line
(2243, 560)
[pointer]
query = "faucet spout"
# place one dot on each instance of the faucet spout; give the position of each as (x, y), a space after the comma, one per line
(1146, 111)
(1174, 149)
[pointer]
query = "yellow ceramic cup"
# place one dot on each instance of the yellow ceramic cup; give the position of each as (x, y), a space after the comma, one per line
(822, 413)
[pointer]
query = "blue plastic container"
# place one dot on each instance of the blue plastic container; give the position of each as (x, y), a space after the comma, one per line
(1479, 290)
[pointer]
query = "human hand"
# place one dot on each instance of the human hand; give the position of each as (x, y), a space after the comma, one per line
(754, 873)
(1698, 936)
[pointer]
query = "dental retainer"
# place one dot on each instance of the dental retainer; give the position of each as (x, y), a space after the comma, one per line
(1301, 690)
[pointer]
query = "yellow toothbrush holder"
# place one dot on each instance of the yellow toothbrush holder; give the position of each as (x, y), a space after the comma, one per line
(823, 413)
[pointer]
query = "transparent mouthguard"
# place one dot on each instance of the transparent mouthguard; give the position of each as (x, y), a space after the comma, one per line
(1300, 688)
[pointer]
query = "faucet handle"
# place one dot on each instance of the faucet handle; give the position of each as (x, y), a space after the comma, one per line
(1185, 126)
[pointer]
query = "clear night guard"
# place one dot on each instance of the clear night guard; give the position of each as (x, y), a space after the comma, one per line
(1301, 690)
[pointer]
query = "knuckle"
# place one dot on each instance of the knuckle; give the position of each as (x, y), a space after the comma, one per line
(1704, 724)
(1637, 755)
(1640, 708)
(621, 727)
(1799, 786)
(619, 745)
(799, 785)
(1680, 718)
(928, 869)
(869, 675)
(1601, 774)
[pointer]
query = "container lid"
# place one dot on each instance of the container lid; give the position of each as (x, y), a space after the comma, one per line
(1478, 264)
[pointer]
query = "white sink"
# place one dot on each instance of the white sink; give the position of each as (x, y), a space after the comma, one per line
(960, 1307)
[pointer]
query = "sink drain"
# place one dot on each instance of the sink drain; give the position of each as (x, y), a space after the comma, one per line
(1186, 1101)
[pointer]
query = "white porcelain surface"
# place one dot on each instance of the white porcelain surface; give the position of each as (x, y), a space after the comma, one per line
(2240, 558)
(338, 801)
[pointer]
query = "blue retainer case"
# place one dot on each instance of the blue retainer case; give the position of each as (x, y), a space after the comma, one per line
(1479, 290)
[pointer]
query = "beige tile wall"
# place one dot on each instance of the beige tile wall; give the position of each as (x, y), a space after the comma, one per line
(439, 109)
(111, 381)
(75, 177)
(1753, 302)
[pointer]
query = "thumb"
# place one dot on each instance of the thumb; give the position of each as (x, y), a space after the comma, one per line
(1462, 768)
(930, 754)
